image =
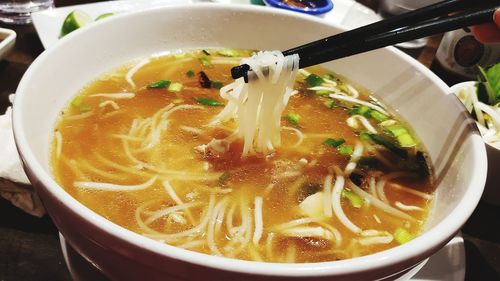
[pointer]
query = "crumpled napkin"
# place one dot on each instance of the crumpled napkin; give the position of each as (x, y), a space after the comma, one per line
(14, 185)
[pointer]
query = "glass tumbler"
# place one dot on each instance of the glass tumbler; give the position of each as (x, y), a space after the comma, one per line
(19, 11)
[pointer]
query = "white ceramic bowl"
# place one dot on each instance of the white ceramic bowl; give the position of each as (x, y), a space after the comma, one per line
(455, 148)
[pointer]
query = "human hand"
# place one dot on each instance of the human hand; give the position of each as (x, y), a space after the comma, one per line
(490, 32)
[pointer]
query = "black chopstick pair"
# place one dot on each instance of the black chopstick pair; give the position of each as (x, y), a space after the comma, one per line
(420, 23)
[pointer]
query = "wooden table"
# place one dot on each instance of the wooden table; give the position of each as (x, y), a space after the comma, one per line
(29, 246)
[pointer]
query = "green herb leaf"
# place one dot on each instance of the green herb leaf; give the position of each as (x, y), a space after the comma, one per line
(190, 73)
(333, 142)
(160, 84)
(492, 76)
(209, 102)
(345, 149)
(217, 84)
(402, 235)
(354, 199)
(293, 118)
(205, 62)
(314, 80)
(206, 52)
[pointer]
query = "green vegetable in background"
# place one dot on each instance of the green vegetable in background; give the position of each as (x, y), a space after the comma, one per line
(491, 82)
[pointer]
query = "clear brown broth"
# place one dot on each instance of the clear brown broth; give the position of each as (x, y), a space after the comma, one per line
(87, 141)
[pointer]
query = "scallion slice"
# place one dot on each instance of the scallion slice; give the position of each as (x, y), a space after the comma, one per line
(217, 84)
(345, 149)
(333, 142)
(402, 235)
(160, 84)
(354, 199)
(314, 80)
(205, 62)
(293, 118)
(209, 102)
(175, 87)
(190, 73)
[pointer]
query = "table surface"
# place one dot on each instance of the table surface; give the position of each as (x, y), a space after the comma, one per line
(29, 246)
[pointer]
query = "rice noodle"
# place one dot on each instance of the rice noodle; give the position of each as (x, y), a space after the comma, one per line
(114, 95)
(299, 134)
(258, 220)
(165, 212)
(352, 122)
(59, 140)
(130, 74)
(257, 106)
(405, 207)
(211, 226)
(357, 153)
(114, 187)
(269, 246)
(327, 196)
(336, 205)
(379, 204)
(380, 190)
(111, 103)
(411, 191)
(366, 241)
(307, 231)
(79, 116)
(354, 100)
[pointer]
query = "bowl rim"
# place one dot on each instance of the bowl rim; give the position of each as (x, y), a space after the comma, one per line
(428, 242)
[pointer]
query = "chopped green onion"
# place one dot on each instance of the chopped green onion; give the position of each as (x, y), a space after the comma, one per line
(360, 110)
(160, 84)
(190, 73)
(402, 135)
(78, 103)
(406, 140)
(402, 235)
(355, 200)
(206, 52)
(228, 53)
(378, 116)
(329, 103)
(334, 142)
(175, 87)
(345, 149)
(314, 80)
(209, 102)
(378, 139)
(293, 118)
(217, 84)
(329, 76)
(396, 130)
(177, 101)
(322, 92)
(205, 62)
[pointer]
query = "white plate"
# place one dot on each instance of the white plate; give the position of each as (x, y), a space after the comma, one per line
(446, 265)
(7, 40)
(48, 22)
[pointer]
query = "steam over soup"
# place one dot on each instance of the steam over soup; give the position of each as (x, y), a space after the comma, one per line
(146, 147)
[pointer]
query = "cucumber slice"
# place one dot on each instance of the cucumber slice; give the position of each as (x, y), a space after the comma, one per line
(73, 21)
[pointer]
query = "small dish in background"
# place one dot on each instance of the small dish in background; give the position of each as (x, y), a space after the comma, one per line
(311, 7)
(491, 192)
(7, 40)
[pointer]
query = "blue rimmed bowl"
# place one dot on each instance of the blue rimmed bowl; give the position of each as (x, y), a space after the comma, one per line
(319, 7)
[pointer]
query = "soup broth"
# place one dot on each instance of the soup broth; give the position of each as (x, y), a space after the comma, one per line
(348, 180)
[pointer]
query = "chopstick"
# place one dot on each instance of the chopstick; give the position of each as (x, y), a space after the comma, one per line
(405, 27)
